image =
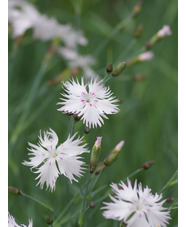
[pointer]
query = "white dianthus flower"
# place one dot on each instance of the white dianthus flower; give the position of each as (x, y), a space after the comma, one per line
(12, 222)
(136, 206)
(91, 101)
(51, 161)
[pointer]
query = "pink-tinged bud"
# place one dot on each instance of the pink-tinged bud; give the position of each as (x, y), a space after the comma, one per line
(146, 56)
(165, 31)
(95, 154)
(92, 204)
(112, 156)
(14, 190)
(119, 146)
(170, 199)
(98, 142)
(139, 77)
(49, 220)
(136, 9)
(147, 165)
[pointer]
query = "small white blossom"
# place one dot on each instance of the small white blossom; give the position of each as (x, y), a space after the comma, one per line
(12, 222)
(91, 101)
(165, 31)
(136, 206)
(46, 154)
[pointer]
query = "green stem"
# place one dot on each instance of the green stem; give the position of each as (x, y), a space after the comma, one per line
(118, 27)
(168, 183)
(80, 222)
(72, 125)
(37, 201)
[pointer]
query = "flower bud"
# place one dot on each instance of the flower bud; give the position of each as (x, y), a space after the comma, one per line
(49, 220)
(119, 68)
(112, 156)
(136, 9)
(170, 199)
(14, 190)
(165, 31)
(139, 77)
(146, 56)
(147, 165)
(77, 117)
(92, 204)
(95, 154)
(138, 31)
(86, 130)
(109, 68)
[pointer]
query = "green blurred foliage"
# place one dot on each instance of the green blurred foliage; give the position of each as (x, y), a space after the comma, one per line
(148, 117)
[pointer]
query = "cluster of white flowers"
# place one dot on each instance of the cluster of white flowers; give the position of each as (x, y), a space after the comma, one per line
(23, 16)
(136, 206)
(12, 222)
(51, 161)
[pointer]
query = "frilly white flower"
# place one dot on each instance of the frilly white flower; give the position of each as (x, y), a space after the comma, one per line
(51, 161)
(136, 206)
(12, 222)
(90, 101)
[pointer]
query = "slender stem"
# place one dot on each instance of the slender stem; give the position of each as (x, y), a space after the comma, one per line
(172, 206)
(168, 183)
(80, 222)
(37, 201)
(118, 27)
(72, 125)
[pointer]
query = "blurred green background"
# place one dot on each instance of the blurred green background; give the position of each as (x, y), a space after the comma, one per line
(147, 120)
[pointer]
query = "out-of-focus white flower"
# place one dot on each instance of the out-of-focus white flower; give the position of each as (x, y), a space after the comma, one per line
(165, 31)
(12, 222)
(90, 101)
(136, 206)
(146, 56)
(46, 154)
(23, 16)
(76, 60)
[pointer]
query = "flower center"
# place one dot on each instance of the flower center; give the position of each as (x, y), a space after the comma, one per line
(89, 98)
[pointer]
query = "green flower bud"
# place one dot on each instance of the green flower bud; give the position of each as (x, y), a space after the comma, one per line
(95, 154)
(136, 9)
(14, 190)
(49, 220)
(139, 30)
(112, 156)
(119, 68)
(147, 165)
(109, 68)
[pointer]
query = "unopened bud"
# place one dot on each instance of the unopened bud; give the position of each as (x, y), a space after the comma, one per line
(77, 117)
(119, 68)
(139, 30)
(165, 31)
(92, 204)
(170, 199)
(14, 190)
(146, 56)
(112, 156)
(95, 154)
(136, 9)
(99, 168)
(147, 165)
(109, 68)
(86, 130)
(139, 77)
(49, 220)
